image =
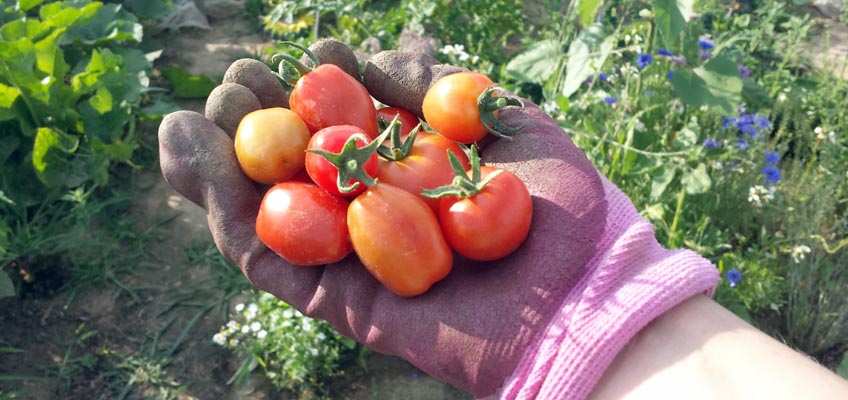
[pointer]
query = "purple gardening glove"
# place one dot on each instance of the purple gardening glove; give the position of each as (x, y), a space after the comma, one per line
(544, 321)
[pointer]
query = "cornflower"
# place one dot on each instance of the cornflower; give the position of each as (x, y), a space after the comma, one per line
(610, 100)
(644, 59)
(772, 157)
(772, 174)
(733, 277)
(743, 71)
(664, 52)
(710, 143)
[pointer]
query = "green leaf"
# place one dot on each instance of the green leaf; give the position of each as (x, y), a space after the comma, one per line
(654, 212)
(111, 24)
(186, 85)
(670, 17)
(538, 63)
(716, 84)
(586, 56)
(660, 180)
(842, 370)
(49, 155)
(149, 9)
(8, 95)
(8, 146)
(588, 9)
(26, 5)
(7, 287)
(697, 181)
(101, 101)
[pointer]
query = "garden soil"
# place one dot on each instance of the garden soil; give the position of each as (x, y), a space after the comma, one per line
(79, 342)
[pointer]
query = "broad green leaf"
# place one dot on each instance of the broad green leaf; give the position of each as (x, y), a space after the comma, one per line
(660, 180)
(149, 8)
(63, 16)
(586, 56)
(27, 5)
(8, 95)
(7, 288)
(685, 138)
(19, 66)
(8, 146)
(538, 63)
(49, 155)
(716, 84)
(697, 181)
(186, 85)
(101, 101)
(588, 9)
(670, 17)
(654, 212)
(48, 57)
(116, 151)
(111, 24)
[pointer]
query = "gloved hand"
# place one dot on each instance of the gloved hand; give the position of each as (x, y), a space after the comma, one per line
(543, 322)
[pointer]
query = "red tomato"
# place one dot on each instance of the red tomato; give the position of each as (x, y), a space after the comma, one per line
(327, 96)
(304, 224)
(407, 119)
(450, 106)
(492, 223)
(270, 144)
(332, 140)
(425, 167)
(398, 239)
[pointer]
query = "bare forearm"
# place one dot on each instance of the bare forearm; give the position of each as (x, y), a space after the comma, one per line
(699, 350)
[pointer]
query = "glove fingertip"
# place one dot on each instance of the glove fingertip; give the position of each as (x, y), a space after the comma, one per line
(228, 103)
(258, 77)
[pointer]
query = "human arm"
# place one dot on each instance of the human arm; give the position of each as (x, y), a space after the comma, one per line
(700, 350)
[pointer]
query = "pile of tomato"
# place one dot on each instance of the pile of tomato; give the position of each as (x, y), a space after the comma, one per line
(403, 200)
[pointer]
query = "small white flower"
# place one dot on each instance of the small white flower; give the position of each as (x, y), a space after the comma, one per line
(306, 324)
(799, 252)
(288, 313)
(550, 106)
(639, 126)
(627, 38)
(464, 56)
(831, 137)
(757, 195)
(239, 307)
(232, 325)
(234, 342)
(321, 336)
(637, 39)
(252, 308)
(219, 339)
(781, 97)
(256, 326)
(475, 59)
(313, 351)
(245, 329)
(261, 334)
(819, 132)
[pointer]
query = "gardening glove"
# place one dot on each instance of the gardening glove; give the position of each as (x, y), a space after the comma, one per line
(543, 322)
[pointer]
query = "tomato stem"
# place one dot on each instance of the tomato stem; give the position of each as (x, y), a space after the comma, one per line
(350, 161)
(462, 185)
(400, 148)
(489, 102)
(301, 68)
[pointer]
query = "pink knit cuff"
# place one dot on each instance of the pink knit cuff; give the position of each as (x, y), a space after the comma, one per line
(630, 281)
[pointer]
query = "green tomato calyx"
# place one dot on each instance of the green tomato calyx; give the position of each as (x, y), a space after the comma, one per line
(462, 185)
(300, 69)
(399, 148)
(350, 162)
(491, 101)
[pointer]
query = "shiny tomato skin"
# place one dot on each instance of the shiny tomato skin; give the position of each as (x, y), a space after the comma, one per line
(270, 144)
(304, 224)
(425, 167)
(408, 120)
(332, 139)
(328, 96)
(492, 223)
(398, 239)
(450, 106)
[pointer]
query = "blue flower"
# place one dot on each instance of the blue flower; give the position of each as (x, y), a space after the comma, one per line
(669, 74)
(706, 44)
(742, 144)
(610, 100)
(727, 121)
(733, 277)
(762, 122)
(644, 59)
(416, 373)
(664, 52)
(710, 143)
(772, 157)
(772, 174)
(746, 125)
(743, 71)
(602, 77)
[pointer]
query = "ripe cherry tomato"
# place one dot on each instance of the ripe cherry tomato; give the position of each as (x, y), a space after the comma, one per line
(450, 106)
(425, 167)
(304, 224)
(492, 223)
(407, 119)
(327, 96)
(270, 144)
(332, 140)
(398, 239)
